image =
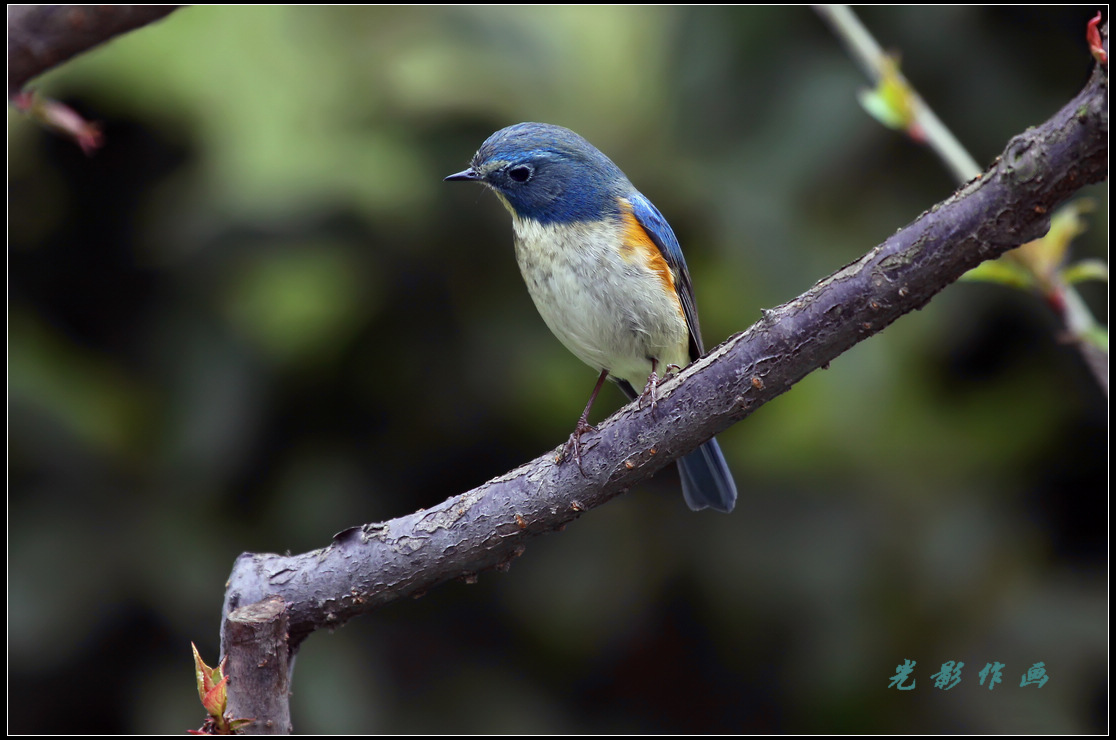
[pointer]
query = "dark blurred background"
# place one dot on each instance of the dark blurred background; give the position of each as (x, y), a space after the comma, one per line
(258, 316)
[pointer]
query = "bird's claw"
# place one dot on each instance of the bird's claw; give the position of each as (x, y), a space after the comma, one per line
(573, 444)
(651, 390)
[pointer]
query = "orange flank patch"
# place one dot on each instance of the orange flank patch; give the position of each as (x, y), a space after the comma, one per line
(637, 244)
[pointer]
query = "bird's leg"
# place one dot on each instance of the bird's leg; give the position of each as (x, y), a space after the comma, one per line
(653, 380)
(583, 426)
(651, 389)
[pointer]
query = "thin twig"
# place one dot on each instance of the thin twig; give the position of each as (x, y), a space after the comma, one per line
(1079, 324)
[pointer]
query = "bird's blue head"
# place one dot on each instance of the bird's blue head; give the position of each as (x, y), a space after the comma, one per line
(548, 174)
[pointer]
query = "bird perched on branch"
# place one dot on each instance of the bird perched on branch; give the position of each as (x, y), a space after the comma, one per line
(605, 271)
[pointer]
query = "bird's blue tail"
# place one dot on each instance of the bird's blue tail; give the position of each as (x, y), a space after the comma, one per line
(706, 480)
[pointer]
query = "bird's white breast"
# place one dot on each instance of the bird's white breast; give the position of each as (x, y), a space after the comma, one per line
(607, 305)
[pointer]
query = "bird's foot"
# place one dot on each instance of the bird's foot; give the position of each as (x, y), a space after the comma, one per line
(651, 390)
(573, 444)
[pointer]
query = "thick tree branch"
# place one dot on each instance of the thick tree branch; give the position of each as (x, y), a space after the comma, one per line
(255, 636)
(43, 36)
(370, 565)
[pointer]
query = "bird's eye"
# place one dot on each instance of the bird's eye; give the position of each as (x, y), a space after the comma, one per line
(521, 173)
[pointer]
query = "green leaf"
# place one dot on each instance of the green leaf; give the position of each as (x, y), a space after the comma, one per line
(1004, 272)
(1092, 269)
(892, 101)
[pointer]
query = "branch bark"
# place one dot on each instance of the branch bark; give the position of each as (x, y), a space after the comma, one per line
(488, 527)
(43, 36)
(255, 636)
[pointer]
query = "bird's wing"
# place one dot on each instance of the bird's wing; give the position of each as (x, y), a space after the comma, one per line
(663, 236)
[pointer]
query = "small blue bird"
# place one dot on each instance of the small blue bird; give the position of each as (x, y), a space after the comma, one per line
(605, 271)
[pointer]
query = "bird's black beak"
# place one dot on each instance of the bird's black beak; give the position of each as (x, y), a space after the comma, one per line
(469, 175)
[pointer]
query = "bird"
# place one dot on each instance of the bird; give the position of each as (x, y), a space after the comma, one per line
(605, 272)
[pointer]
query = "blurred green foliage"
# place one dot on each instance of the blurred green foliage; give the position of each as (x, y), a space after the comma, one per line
(258, 317)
